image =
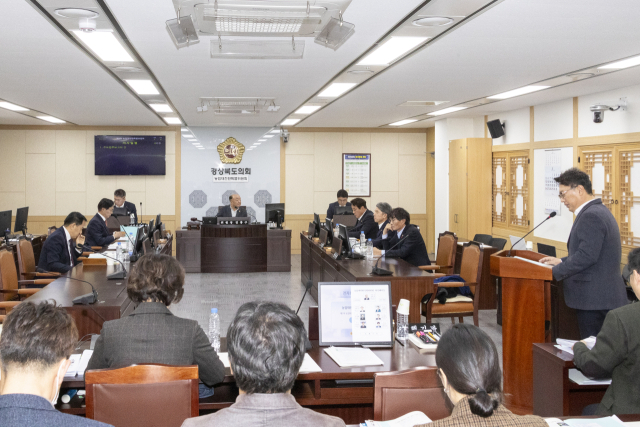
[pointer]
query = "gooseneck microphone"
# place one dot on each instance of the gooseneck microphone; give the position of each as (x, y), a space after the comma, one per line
(381, 271)
(551, 215)
(89, 298)
(115, 275)
(307, 286)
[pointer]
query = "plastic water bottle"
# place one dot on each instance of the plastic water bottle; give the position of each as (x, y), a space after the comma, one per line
(369, 249)
(119, 252)
(363, 242)
(126, 260)
(402, 319)
(214, 329)
(132, 219)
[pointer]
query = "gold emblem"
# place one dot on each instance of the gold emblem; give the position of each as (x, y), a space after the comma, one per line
(230, 151)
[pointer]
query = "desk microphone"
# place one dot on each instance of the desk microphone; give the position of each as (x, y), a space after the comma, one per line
(551, 215)
(89, 298)
(381, 271)
(117, 275)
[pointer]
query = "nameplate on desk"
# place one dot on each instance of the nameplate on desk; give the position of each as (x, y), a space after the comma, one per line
(336, 255)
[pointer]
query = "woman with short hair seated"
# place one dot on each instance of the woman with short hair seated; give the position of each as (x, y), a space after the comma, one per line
(152, 334)
(468, 366)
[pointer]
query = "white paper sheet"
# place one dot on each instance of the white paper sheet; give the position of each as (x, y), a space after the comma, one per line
(309, 365)
(353, 356)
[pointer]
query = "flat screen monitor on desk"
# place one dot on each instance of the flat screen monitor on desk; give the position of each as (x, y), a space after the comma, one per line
(5, 223)
(343, 210)
(316, 225)
(22, 214)
(347, 248)
(274, 212)
(158, 221)
(119, 211)
(352, 314)
(328, 225)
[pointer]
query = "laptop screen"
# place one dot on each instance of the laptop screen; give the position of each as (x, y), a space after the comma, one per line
(131, 231)
(353, 314)
(522, 245)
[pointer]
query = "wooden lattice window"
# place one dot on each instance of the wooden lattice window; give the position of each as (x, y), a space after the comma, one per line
(629, 204)
(499, 191)
(510, 193)
(598, 164)
(519, 191)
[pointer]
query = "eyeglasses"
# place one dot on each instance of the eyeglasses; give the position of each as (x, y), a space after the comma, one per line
(562, 194)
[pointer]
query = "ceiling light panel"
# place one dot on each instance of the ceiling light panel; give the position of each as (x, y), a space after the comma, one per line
(336, 89)
(625, 63)
(173, 120)
(143, 87)
(161, 108)
(403, 122)
(517, 92)
(105, 45)
(391, 50)
(290, 122)
(308, 109)
(51, 119)
(12, 107)
(446, 111)
(268, 136)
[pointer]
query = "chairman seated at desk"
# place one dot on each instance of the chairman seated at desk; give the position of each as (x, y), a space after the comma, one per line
(98, 233)
(120, 199)
(234, 209)
(402, 240)
(366, 223)
(60, 251)
(342, 202)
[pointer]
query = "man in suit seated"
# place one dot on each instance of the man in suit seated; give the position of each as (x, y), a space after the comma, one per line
(35, 346)
(365, 223)
(616, 354)
(342, 202)
(381, 217)
(266, 345)
(98, 233)
(403, 240)
(60, 251)
(234, 209)
(120, 199)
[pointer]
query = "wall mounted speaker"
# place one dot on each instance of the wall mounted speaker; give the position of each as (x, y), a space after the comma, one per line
(496, 129)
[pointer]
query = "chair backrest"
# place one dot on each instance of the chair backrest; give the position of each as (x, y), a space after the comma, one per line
(547, 250)
(471, 264)
(417, 389)
(146, 246)
(498, 243)
(446, 255)
(26, 259)
(156, 236)
(142, 395)
(482, 238)
(51, 230)
(8, 275)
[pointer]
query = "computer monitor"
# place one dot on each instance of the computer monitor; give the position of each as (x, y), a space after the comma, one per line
(344, 235)
(343, 210)
(22, 214)
(151, 229)
(274, 212)
(131, 232)
(158, 222)
(316, 221)
(328, 225)
(353, 314)
(119, 211)
(547, 250)
(5, 223)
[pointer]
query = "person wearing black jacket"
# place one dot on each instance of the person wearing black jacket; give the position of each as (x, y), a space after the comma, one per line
(233, 209)
(342, 202)
(365, 222)
(120, 199)
(59, 253)
(403, 240)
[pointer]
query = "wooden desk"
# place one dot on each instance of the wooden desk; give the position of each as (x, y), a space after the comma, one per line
(408, 281)
(554, 394)
(488, 292)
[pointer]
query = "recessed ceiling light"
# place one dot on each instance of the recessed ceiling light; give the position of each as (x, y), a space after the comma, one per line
(71, 12)
(193, 140)
(161, 108)
(185, 130)
(335, 90)
(517, 92)
(262, 140)
(360, 72)
(173, 120)
(392, 49)
(275, 131)
(421, 103)
(51, 119)
(447, 111)
(143, 87)
(432, 21)
(625, 63)
(307, 109)
(12, 107)
(402, 122)
(268, 136)
(290, 122)
(125, 69)
(105, 45)
(257, 143)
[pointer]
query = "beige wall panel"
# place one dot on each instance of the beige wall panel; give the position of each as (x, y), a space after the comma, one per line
(299, 178)
(71, 161)
(412, 143)
(13, 201)
(413, 184)
(384, 162)
(41, 141)
(327, 161)
(133, 183)
(170, 139)
(136, 197)
(98, 186)
(300, 143)
(69, 201)
(321, 201)
(12, 147)
(390, 197)
(90, 139)
(161, 190)
(357, 143)
(41, 184)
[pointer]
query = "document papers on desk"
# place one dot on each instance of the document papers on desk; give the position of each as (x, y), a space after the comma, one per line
(347, 357)
(78, 365)
(534, 262)
(567, 345)
(611, 421)
(308, 364)
(408, 420)
(581, 379)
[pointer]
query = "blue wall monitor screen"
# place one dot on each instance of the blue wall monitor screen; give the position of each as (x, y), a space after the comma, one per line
(130, 155)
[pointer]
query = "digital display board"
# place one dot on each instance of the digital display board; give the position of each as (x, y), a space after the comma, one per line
(130, 155)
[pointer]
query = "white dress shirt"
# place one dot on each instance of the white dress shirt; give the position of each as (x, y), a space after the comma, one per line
(582, 206)
(234, 212)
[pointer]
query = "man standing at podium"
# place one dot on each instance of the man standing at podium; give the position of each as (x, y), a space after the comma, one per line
(591, 276)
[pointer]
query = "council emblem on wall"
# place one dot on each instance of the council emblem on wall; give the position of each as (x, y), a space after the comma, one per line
(230, 151)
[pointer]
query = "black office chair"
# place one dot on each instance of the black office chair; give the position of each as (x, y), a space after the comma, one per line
(547, 250)
(482, 238)
(498, 243)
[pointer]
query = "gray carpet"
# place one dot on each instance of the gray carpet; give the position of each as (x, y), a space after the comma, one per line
(227, 292)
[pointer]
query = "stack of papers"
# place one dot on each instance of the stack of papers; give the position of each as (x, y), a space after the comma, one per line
(579, 378)
(611, 421)
(408, 420)
(308, 364)
(353, 356)
(78, 365)
(567, 345)
(534, 262)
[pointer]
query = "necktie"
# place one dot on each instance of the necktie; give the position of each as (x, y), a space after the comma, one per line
(70, 251)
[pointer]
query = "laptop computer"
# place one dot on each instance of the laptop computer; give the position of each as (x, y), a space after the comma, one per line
(522, 245)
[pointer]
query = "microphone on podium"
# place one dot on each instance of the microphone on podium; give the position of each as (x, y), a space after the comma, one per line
(551, 215)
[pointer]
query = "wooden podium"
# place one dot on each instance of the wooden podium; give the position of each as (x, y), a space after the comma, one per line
(526, 319)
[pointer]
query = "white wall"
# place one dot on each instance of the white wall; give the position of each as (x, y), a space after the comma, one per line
(517, 124)
(553, 120)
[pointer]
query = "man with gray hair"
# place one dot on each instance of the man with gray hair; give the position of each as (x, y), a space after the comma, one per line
(381, 216)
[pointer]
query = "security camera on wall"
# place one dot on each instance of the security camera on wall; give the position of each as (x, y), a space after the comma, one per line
(599, 109)
(284, 134)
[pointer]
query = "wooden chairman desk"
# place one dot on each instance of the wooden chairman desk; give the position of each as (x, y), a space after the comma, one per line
(113, 302)
(408, 281)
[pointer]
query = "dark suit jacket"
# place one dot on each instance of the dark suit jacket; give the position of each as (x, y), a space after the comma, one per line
(54, 255)
(131, 209)
(152, 334)
(366, 224)
(19, 410)
(411, 247)
(98, 233)
(591, 273)
(615, 356)
(332, 209)
(225, 212)
(377, 242)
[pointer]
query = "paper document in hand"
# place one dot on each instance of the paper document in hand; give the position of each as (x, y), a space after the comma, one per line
(309, 365)
(408, 420)
(579, 378)
(353, 356)
(534, 262)
(73, 367)
(224, 358)
(589, 342)
(84, 361)
(611, 421)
